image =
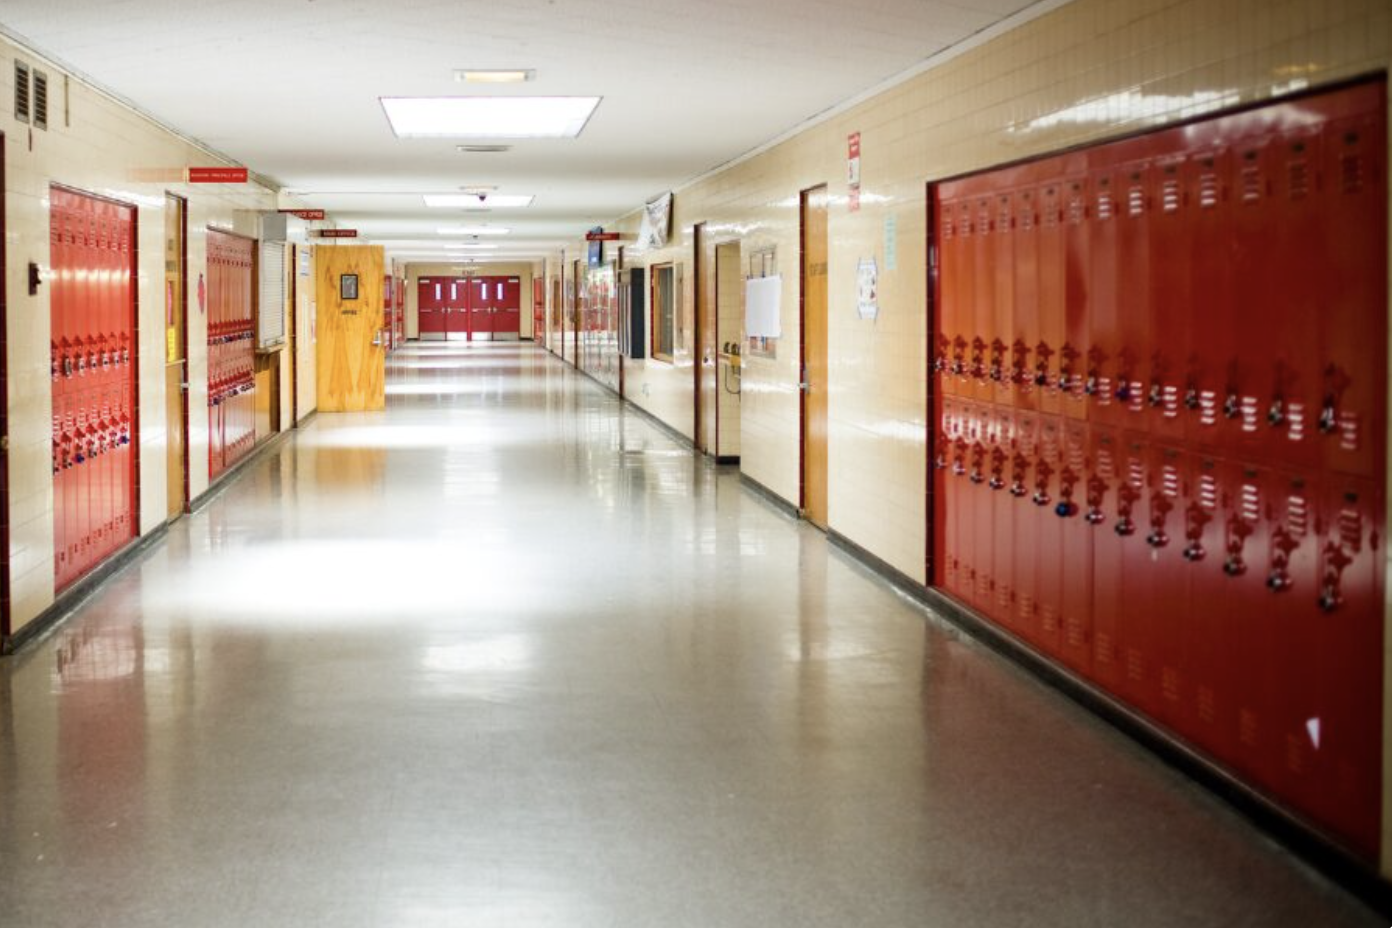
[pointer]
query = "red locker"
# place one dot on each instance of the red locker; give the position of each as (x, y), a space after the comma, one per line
(1075, 549)
(1044, 542)
(1352, 298)
(1075, 348)
(92, 307)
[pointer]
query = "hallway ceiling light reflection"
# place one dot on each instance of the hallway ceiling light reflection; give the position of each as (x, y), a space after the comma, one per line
(488, 117)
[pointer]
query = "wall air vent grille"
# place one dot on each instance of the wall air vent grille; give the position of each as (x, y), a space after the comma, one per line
(21, 98)
(40, 100)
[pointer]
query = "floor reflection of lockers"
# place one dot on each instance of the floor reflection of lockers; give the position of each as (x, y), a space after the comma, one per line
(93, 367)
(1161, 372)
(472, 308)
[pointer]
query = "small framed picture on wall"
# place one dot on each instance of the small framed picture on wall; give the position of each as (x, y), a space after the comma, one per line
(348, 287)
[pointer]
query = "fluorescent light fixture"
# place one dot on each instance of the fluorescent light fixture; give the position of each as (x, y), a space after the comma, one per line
(477, 200)
(495, 76)
(472, 230)
(469, 247)
(488, 117)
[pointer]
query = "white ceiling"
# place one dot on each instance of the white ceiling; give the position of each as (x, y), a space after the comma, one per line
(291, 88)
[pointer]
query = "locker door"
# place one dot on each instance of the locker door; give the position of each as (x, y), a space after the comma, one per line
(1352, 281)
(1106, 506)
(1210, 389)
(1075, 550)
(1045, 343)
(1345, 733)
(1044, 543)
(1134, 361)
(1002, 580)
(1024, 451)
(1100, 362)
(983, 291)
(1138, 489)
(1073, 353)
(1002, 257)
(1164, 623)
(1168, 340)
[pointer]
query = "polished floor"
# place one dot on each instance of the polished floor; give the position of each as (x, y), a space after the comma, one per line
(507, 655)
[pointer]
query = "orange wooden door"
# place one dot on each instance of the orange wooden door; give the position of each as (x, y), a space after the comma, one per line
(814, 355)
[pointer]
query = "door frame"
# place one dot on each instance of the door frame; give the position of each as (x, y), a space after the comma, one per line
(932, 274)
(803, 197)
(698, 320)
(715, 307)
(5, 595)
(182, 299)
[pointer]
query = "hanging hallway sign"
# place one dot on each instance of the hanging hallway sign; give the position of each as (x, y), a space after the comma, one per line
(308, 215)
(216, 175)
(336, 233)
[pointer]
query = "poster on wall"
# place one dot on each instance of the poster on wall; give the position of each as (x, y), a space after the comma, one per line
(656, 226)
(762, 302)
(867, 289)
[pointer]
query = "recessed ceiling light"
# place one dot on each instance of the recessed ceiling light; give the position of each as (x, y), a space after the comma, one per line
(495, 76)
(472, 230)
(488, 117)
(470, 247)
(476, 200)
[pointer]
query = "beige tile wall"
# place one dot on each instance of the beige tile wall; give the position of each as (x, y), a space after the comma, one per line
(1083, 72)
(105, 148)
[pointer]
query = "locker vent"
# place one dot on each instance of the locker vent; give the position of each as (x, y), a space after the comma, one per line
(1135, 200)
(1298, 178)
(1249, 504)
(1208, 492)
(40, 100)
(1351, 170)
(1105, 206)
(947, 226)
(1208, 190)
(21, 98)
(1076, 209)
(1169, 197)
(1297, 516)
(1251, 180)
(1350, 529)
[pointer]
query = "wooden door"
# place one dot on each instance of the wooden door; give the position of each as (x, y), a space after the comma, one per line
(351, 363)
(814, 355)
(176, 354)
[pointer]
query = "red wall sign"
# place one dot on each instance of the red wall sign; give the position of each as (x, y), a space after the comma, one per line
(308, 215)
(217, 175)
(337, 233)
(601, 236)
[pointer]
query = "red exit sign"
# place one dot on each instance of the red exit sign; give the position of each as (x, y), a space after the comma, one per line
(216, 175)
(337, 233)
(308, 215)
(601, 236)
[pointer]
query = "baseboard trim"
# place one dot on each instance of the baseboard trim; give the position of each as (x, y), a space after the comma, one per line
(770, 497)
(239, 470)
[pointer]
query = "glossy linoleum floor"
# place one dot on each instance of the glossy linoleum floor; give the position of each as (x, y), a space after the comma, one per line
(508, 655)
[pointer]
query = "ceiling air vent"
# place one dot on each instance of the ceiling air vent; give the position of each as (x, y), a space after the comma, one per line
(40, 100)
(21, 85)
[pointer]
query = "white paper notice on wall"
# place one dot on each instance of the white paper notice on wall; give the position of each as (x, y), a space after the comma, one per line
(762, 303)
(867, 289)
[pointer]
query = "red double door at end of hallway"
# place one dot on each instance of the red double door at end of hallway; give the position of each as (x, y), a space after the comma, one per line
(474, 307)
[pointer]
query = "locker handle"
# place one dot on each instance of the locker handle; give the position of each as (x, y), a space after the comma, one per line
(1041, 495)
(1276, 412)
(1283, 544)
(1232, 405)
(1191, 397)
